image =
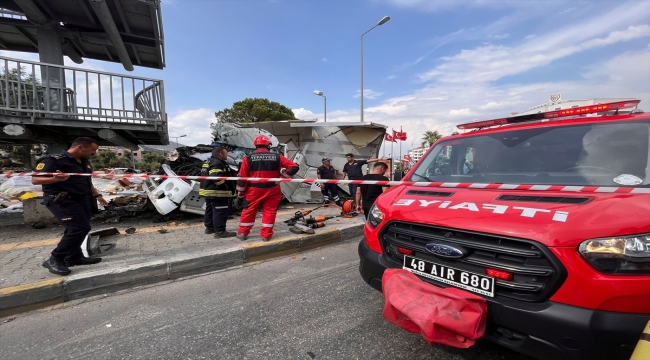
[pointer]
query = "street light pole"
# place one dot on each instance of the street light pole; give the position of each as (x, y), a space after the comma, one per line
(381, 22)
(176, 137)
(320, 93)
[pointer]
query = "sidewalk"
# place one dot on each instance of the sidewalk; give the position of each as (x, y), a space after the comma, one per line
(147, 256)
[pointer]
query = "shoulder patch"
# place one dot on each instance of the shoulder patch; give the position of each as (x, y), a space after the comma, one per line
(40, 166)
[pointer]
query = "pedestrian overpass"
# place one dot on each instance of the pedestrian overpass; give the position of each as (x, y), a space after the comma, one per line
(46, 102)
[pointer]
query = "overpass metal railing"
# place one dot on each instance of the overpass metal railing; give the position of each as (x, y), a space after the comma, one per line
(36, 90)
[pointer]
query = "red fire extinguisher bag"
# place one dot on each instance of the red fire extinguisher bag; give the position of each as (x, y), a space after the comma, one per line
(450, 316)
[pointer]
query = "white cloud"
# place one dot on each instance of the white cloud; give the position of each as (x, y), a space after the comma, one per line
(412, 63)
(390, 77)
(631, 67)
(368, 94)
(567, 10)
(498, 105)
(324, 59)
(461, 112)
(194, 123)
(441, 5)
(27, 56)
(489, 63)
(501, 36)
(631, 33)
(303, 114)
(442, 106)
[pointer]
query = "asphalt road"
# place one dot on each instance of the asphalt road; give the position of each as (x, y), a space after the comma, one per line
(310, 306)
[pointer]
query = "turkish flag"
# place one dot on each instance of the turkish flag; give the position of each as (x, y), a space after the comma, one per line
(389, 138)
(399, 135)
(407, 157)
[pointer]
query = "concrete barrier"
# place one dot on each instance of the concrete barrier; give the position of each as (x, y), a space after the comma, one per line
(34, 211)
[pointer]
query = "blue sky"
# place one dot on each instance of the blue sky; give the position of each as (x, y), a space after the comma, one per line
(435, 64)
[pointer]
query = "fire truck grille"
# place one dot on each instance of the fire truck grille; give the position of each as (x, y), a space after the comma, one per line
(537, 272)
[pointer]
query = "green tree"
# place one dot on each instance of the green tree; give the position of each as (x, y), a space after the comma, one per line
(430, 137)
(27, 81)
(123, 161)
(24, 154)
(254, 110)
(103, 159)
(151, 162)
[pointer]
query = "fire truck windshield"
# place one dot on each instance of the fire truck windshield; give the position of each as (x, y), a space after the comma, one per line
(606, 154)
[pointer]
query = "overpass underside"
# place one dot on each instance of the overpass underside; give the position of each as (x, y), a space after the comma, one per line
(46, 102)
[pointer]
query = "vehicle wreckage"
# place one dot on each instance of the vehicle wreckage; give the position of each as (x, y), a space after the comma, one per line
(305, 142)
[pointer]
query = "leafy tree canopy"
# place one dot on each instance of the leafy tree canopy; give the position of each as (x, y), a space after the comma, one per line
(14, 73)
(109, 159)
(255, 110)
(151, 162)
(24, 154)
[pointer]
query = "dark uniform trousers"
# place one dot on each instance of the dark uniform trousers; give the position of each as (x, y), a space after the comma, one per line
(353, 188)
(328, 173)
(332, 189)
(74, 215)
(216, 213)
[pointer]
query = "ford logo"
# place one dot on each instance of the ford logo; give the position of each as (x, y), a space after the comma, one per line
(447, 251)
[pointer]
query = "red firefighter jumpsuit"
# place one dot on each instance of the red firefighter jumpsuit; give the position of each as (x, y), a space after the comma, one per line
(262, 164)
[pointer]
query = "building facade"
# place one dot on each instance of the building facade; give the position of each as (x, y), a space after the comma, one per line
(417, 153)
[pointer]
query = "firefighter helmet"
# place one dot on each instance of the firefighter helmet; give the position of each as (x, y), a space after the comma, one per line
(262, 141)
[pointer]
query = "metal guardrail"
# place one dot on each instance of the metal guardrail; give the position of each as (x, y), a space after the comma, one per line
(37, 90)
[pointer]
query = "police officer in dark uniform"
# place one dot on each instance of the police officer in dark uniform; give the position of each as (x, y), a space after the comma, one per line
(327, 171)
(68, 198)
(218, 194)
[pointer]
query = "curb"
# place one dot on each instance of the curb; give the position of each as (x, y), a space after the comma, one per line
(27, 297)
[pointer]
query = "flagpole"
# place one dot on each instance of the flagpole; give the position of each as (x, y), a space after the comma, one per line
(392, 171)
(400, 146)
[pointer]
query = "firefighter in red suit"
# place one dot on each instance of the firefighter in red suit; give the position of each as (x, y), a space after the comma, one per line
(261, 164)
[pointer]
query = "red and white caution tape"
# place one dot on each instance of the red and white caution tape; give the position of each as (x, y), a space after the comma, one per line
(528, 187)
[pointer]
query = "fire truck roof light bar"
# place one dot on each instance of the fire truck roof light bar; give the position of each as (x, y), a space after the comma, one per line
(582, 110)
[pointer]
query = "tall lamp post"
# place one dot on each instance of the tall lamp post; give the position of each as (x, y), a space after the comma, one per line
(176, 137)
(320, 93)
(381, 22)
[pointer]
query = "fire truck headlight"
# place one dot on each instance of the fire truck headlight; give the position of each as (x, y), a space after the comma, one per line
(375, 216)
(619, 255)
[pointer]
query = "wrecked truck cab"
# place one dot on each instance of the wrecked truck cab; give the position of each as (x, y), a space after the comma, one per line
(167, 195)
(303, 142)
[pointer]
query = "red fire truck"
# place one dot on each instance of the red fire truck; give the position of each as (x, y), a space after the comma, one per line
(545, 215)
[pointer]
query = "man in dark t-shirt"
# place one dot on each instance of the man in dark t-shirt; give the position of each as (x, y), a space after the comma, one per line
(353, 169)
(367, 194)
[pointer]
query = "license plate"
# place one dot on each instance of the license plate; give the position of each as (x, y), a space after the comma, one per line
(465, 280)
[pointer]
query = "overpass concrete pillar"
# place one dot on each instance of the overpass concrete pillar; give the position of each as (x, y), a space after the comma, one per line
(50, 50)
